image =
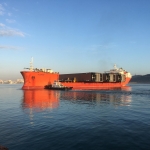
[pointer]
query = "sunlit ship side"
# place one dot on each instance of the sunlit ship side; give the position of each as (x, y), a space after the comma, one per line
(116, 77)
(39, 78)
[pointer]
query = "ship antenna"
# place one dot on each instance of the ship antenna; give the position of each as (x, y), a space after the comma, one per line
(115, 67)
(31, 64)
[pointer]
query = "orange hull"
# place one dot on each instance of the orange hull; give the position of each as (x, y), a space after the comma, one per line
(38, 80)
(95, 85)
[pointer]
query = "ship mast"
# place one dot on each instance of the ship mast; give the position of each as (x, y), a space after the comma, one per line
(31, 64)
(115, 67)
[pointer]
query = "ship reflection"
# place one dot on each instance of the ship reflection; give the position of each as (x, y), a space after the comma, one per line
(39, 100)
(115, 96)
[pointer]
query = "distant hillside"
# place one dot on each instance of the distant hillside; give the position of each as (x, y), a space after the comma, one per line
(141, 78)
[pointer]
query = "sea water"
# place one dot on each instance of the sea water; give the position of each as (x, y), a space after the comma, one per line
(116, 119)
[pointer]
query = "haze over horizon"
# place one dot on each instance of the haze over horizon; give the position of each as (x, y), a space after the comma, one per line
(72, 36)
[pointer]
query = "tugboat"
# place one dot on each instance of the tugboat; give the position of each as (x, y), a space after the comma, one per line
(57, 86)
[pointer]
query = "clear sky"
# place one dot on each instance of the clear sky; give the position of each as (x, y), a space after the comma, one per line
(72, 36)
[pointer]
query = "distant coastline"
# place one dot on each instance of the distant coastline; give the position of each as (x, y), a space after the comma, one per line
(139, 83)
(144, 79)
(18, 81)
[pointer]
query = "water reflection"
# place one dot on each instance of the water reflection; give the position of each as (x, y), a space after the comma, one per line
(40, 100)
(116, 96)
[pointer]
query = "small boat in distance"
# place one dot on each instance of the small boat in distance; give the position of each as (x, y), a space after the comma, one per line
(57, 86)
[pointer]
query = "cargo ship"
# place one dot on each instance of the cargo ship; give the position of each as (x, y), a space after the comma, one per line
(39, 78)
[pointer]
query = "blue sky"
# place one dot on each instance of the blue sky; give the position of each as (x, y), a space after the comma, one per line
(71, 36)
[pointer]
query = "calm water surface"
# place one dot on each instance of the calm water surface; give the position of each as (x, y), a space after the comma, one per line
(116, 119)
